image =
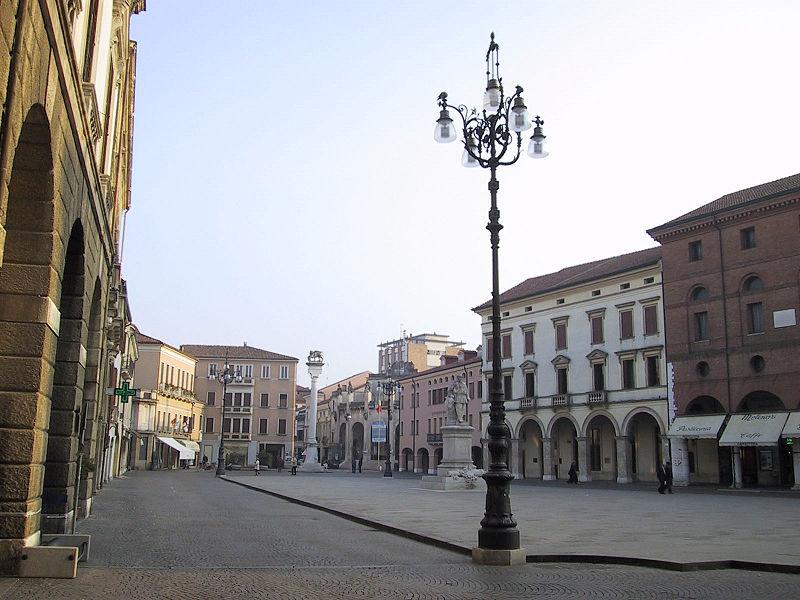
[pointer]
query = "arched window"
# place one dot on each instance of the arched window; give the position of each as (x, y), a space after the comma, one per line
(753, 284)
(699, 293)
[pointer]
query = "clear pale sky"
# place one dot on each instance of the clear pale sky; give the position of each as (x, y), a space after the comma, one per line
(287, 190)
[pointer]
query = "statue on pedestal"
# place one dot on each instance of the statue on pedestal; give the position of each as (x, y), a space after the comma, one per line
(457, 401)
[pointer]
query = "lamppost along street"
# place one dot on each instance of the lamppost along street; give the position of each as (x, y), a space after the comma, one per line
(387, 388)
(492, 138)
(225, 377)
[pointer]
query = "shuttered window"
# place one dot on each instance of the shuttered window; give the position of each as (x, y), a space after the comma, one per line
(651, 320)
(597, 329)
(528, 336)
(626, 324)
(561, 336)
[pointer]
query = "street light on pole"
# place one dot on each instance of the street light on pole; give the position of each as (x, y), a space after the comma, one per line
(225, 377)
(388, 388)
(488, 136)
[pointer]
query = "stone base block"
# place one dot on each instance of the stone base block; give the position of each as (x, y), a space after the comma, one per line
(48, 561)
(76, 540)
(449, 484)
(308, 467)
(503, 558)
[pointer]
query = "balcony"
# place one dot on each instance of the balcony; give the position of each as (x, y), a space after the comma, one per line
(561, 401)
(528, 403)
(248, 410)
(435, 438)
(177, 392)
(237, 436)
(241, 380)
(598, 397)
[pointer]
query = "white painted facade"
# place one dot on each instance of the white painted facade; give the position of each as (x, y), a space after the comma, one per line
(613, 430)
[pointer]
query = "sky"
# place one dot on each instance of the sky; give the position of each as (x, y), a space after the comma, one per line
(287, 191)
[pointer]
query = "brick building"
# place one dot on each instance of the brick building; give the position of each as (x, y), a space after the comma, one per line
(732, 293)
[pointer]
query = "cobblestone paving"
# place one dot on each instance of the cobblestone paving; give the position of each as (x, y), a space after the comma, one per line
(183, 535)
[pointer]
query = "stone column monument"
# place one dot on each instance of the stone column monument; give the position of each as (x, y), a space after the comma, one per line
(456, 471)
(311, 463)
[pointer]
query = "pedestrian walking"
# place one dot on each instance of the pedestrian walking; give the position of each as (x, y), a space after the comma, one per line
(662, 478)
(359, 464)
(294, 465)
(668, 476)
(353, 465)
(257, 467)
(573, 473)
(205, 462)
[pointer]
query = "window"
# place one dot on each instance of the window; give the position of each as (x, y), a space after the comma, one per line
(652, 371)
(226, 425)
(212, 369)
(597, 329)
(237, 399)
(264, 371)
(628, 381)
(489, 348)
(211, 398)
(624, 286)
(651, 319)
(699, 293)
(527, 337)
(598, 377)
(560, 301)
(701, 326)
(508, 389)
(755, 318)
(281, 426)
(265, 400)
(695, 251)
(561, 380)
(748, 237)
(246, 399)
(506, 345)
(480, 389)
(283, 401)
(284, 372)
(561, 336)
(753, 284)
(703, 369)
(626, 324)
(595, 292)
(227, 399)
(209, 425)
(530, 385)
(648, 280)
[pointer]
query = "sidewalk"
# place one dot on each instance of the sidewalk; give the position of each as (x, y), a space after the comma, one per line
(592, 522)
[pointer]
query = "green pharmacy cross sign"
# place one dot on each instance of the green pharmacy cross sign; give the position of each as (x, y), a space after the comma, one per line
(125, 392)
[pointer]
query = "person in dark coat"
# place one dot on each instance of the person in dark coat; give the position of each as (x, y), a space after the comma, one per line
(573, 473)
(662, 479)
(668, 476)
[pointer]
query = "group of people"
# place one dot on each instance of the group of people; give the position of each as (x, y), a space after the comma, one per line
(280, 464)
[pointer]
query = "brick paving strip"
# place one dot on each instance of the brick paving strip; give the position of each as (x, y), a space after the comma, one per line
(599, 524)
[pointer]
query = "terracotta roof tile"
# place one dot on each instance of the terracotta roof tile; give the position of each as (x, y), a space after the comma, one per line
(578, 274)
(735, 199)
(233, 352)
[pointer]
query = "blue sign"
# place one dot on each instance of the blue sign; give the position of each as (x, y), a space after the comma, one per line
(379, 431)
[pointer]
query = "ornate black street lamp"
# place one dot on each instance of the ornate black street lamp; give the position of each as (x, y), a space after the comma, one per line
(492, 138)
(387, 388)
(225, 377)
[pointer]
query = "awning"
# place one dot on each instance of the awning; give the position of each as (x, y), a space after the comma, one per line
(185, 453)
(758, 429)
(696, 426)
(191, 445)
(792, 427)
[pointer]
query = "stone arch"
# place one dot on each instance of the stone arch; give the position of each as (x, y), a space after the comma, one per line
(644, 430)
(563, 434)
(601, 412)
(28, 288)
(640, 411)
(760, 401)
(68, 417)
(358, 441)
(530, 434)
(704, 405)
(407, 460)
(422, 464)
(600, 432)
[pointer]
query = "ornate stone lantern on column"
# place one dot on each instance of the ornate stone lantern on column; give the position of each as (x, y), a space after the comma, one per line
(311, 463)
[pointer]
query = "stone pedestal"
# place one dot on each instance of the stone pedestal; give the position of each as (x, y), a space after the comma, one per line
(456, 459)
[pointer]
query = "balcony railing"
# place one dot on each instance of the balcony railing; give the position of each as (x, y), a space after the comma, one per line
(238, 409)
(561, 401)
(434, 438)
(177, 392)
(237, 436)
(528, 403)
(597, 397)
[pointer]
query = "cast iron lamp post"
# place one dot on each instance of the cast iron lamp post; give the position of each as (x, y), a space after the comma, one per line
(493, 138)
(387, 388)
(225, 377)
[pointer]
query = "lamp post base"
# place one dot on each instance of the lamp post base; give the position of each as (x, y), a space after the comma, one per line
(502, 558)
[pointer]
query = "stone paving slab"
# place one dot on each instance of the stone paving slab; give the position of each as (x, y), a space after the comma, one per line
(557, 520)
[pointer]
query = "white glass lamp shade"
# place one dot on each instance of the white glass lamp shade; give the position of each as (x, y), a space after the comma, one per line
(467, 159)
(536, 147)
(518, 118)
(491, 98)
(445, 131)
